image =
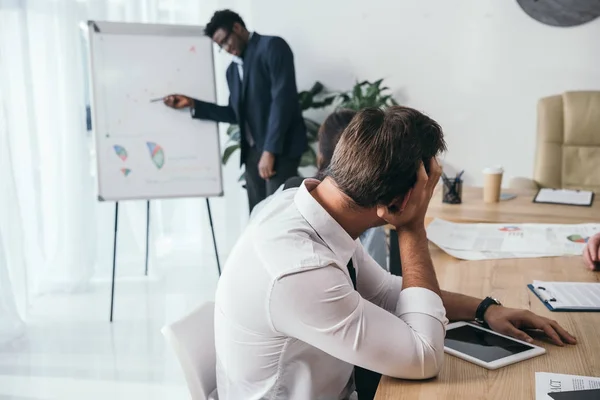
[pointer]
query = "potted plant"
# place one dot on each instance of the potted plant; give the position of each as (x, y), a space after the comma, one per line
(366, 94)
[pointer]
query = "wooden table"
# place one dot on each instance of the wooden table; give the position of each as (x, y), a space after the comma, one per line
(507, 280)
(522, 209)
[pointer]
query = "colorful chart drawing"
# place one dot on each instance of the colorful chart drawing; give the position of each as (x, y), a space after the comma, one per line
(121, 152)
(578, 239)
(157, 155)
(125, 171)
(510, 229)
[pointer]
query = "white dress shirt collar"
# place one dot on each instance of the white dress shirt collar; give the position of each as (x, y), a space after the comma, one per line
(332, 233)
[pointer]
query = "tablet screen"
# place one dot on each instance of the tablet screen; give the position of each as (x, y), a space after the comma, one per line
(481, 344)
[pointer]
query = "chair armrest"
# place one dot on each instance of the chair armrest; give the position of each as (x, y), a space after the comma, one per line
(523, 184)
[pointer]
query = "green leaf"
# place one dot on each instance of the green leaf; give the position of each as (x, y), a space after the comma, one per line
(378, 83)
(312, 130)
(357, 92)
(309, 158)
(316, 88)
(232, 128)
(228, 152)
(242, 177)
(394, 102)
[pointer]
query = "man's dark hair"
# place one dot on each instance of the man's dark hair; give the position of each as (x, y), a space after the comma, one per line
(378, 156)
(329, 134)
(223, 19)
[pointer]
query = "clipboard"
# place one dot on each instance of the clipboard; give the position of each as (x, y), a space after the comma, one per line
(589, 394)
(559, 203)
(545, 297)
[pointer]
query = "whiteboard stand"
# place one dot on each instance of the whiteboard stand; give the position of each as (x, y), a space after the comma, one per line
(144, 150)
(114, 266)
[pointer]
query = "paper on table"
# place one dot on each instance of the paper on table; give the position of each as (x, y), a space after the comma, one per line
(491, 255)
(542, 239)
(564, 196)
(546, 382)
(571, 295)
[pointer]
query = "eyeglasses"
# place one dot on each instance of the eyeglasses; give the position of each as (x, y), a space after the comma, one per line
(225, 43)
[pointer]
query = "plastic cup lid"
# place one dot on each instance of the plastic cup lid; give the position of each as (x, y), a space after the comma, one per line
(494, 170)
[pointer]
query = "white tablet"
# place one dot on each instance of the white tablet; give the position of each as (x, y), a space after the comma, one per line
(485, 347)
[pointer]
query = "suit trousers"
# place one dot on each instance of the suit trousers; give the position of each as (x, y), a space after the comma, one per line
(258, 189)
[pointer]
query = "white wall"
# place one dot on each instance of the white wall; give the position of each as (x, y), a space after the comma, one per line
(476, 66)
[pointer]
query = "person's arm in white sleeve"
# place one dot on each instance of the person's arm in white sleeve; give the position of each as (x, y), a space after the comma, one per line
(321, 308)
(374, 283)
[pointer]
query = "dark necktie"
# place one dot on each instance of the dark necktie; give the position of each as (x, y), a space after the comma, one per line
(366, 381)
(352, 273)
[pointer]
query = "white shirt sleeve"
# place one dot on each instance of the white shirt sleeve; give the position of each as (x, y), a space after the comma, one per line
(374, 283)
(321, 308)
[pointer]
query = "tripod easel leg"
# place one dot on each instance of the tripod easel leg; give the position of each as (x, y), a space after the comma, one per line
(112, 291)
(147, 234)
(212, 229)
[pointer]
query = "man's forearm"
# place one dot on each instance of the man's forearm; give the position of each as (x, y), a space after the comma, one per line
(459, 307)
(417, 267)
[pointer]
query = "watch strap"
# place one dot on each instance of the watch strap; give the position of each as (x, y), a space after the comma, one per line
(482, 308)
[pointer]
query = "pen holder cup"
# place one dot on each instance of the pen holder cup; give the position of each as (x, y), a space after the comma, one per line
(452, 192)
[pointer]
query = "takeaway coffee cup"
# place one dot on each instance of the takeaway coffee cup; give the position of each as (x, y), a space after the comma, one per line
(492, 184)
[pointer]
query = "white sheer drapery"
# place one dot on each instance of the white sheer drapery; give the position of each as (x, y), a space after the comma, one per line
(54, 235)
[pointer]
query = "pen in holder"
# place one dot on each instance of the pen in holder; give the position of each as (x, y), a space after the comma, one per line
(452, 190)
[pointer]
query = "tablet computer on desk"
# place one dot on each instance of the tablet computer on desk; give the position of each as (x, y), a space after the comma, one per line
(485, 347)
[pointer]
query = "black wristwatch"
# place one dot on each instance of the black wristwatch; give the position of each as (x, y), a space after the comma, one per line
(483, 306)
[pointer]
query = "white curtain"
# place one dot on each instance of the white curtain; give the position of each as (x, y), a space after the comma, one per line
(54, 234)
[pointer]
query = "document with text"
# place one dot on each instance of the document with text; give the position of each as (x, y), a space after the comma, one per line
(546, 383)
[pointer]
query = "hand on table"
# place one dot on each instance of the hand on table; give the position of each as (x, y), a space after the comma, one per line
(266, 165)
(511, 322)
(178, 101)
(591, 253)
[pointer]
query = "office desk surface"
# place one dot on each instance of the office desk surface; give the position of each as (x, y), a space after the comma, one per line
(522, 209)
(507, 280)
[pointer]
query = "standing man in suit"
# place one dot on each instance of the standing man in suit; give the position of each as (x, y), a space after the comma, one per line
(263, 101)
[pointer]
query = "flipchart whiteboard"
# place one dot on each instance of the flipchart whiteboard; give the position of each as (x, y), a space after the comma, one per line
(144, 149)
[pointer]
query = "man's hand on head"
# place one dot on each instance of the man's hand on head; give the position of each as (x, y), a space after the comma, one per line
(409, 213)
(513, 322)
(178, 101)
(591, 253)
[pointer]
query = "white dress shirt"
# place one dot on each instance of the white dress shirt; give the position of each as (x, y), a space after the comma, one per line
(373, 240)
(289, 324)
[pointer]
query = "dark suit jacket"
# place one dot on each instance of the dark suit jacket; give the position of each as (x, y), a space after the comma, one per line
(265, 100)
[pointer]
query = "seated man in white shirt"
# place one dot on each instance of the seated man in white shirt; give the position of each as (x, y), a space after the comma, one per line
(300, 303)
(373, 240)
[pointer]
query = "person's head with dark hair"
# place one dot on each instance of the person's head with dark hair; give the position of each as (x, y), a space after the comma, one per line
(329, 134)
(380, 152)
(228, 30)
(383, 169)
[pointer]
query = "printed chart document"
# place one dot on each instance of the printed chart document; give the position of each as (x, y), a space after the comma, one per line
(582, 296)
(494, 241)
(565, 196)
(546, 383)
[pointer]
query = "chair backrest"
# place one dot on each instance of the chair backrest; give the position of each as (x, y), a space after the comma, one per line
(193, 339)
(568, 141)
